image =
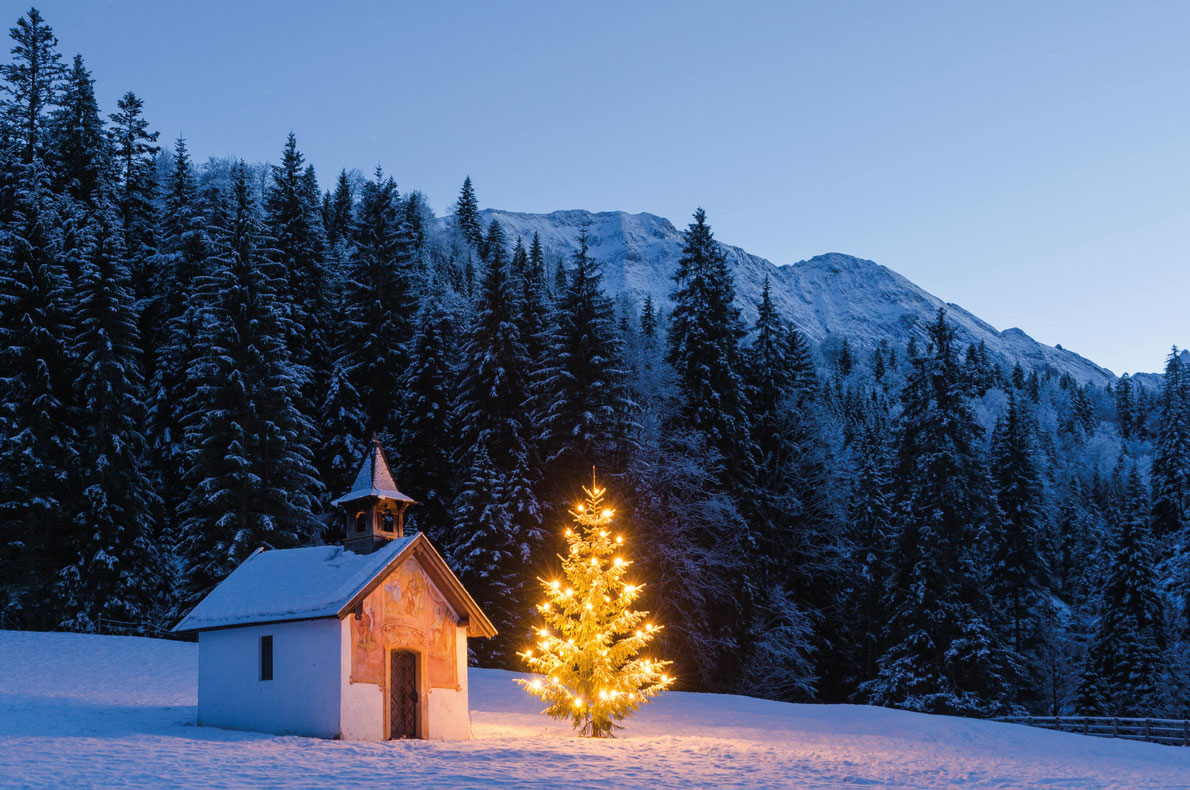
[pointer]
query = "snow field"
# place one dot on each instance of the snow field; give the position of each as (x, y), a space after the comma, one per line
(81, 711)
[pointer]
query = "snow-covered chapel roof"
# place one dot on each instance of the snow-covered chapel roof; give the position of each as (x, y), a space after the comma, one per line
(375, 478)
(282, 585)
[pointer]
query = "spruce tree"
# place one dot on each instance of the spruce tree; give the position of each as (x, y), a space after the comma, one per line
(1122, 675)
(78, 142)
(497, 526)
(119, 573)
(38, 455)
(250, 480)
(133, 149)
(941, 655)
(467, 215)
(377, 309)
(298, 249)
(587, 651)
(1018, 568)
(704, 349)
(1171, 461)
(426, 428)
(30, 88)
(585, 419)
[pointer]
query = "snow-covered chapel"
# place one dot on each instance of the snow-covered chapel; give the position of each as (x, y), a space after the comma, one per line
(365, 641)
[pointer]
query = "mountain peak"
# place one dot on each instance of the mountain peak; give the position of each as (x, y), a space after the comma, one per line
(832, 295)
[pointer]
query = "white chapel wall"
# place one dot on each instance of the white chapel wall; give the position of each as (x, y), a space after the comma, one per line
(303, 698)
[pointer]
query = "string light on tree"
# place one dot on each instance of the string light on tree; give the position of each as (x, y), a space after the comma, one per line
(587, 650)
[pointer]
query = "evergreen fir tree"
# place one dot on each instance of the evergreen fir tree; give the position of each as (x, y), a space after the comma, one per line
(704, 349)
(133, 148)
(299, 251)
(78, 142)
(339, 220)
(648, 319)
(377, 317)
(119, 573)
(497, 525)
(467, 215)
(1018, 568)
(1171, 462)
(426, 429)
(30, 87)
(38, 453)
(587, 652)
(587, 402)
(1124, 664)
(250, 480)
(941, 654)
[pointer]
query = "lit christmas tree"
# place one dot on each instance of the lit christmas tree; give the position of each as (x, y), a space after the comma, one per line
(587, 650)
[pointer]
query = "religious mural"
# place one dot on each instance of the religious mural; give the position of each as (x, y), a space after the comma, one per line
(405, 612)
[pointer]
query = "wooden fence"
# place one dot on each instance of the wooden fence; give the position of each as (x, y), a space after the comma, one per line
(1172, 732)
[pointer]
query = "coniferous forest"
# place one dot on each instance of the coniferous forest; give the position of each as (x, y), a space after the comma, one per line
(194, 355)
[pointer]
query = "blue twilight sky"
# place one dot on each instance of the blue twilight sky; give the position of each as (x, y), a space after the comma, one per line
(1025, 160)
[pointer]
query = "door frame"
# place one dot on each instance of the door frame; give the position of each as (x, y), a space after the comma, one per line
(421, 729)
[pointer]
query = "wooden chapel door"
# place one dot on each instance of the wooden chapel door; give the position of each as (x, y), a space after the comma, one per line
(402, 690)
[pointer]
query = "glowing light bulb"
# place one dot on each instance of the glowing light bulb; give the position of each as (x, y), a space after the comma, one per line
(630, 589)
(579, 508)
(619, 539)
(555, 584)
(607, 513)
(536, 684)
(588, 606)
(578, 703)
(618, 562)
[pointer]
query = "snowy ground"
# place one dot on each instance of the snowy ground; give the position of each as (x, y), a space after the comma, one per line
(92, 711)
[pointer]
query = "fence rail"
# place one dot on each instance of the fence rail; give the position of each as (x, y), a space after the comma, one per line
(1172, 732)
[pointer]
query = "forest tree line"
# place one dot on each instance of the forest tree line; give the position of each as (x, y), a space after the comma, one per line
(193, 357)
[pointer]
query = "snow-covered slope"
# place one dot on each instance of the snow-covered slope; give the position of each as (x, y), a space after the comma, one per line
(104, 711)
(830, 294)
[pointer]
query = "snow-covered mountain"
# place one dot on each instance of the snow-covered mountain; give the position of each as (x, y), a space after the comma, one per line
(829, 297)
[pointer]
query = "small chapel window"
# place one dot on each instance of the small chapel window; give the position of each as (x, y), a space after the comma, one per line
(360, 522)
(389, 522)
(266, 657)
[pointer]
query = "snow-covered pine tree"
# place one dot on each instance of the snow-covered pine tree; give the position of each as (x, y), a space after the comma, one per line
(587, 405)
(871, 518)
(298, 249)
(377, 317)
(1019, 569)
(133, 151)
(426, 428)
(467, 214)
(38, 457)
(1171, 462)
(119, 568)
(30, 87)
(704, 348)
(78, 153)
(185, 249)
(1123, 671)
(941, 654)
(339, 220)
(497, 520)
(249, 478)
(587, 650)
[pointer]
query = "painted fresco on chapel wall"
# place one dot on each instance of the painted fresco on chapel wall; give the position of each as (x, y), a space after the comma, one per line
(405, 611)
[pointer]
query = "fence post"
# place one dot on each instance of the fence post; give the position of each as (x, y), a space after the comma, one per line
(1058, 723)
(1086, 725)
(1148, 729)
(1115, 726)
(1186, 732)
(1029, 722)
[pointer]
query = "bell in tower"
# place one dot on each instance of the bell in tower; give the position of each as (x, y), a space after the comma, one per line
(374, 510)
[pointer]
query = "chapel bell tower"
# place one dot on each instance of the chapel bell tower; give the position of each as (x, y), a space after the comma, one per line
(374, 510)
